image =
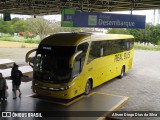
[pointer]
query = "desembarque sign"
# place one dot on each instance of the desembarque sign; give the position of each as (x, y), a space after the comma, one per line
(72, 18)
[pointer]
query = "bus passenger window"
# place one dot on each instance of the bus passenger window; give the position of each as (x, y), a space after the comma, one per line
(78, 64)
(127, 45)
(83, 47)
(102, 51)
(37, 62)
(95, 51)
(131, 43)
(80, 59)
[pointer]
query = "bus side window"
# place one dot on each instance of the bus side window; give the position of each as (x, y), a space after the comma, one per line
(78, 64)
(124, 45)
(76, 67)
(80, 59)
(95, 51)
(128, 45)
(83, 47)
(131, 43)
(107, 47)
(102, 51)
(37, 62)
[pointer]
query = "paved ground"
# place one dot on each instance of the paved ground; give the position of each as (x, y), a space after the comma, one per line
(141, 84)
(16, 54)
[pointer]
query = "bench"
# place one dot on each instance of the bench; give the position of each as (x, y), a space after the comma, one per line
(5, 63)
(25, 70)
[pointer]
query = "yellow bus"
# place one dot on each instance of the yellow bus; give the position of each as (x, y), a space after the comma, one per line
(69, 64)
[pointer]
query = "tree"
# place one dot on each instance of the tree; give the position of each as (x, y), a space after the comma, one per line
(14, 20)
(40, 26)
(20, 26)
(118, 31)
(6, 27)
(58, 28)
(154, 34)
(137, 33)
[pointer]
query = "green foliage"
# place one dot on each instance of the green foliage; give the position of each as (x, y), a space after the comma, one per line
(118, 31)
(14, 20)
(137, 33)
(14, 26)
(6, 39)
(72, 29)
(151, 34)
(40, 26)
(159, 42)
(154, 34)
(142, 47)
(19, 39)
(6, 27)
(32, 41)
(20, 26)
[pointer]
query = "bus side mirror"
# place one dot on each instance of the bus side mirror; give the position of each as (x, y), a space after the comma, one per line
(30, 60)
(71, 62)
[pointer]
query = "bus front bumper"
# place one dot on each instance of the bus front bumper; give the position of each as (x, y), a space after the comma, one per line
(62, 92)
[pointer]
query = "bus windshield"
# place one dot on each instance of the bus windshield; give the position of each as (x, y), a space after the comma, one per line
(52, 63)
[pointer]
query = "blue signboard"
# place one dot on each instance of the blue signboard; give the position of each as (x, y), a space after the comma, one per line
(101, 20)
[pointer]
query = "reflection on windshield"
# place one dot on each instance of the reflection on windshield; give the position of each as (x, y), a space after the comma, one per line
(52, 63)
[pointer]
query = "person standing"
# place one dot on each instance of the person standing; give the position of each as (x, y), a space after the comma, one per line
(3, 87)
(16, 77)
(12, 70)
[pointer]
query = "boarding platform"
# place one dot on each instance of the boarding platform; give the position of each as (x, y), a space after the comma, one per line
(95, 106)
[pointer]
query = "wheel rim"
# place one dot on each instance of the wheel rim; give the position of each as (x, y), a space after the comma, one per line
(88, 87)
(122, 72)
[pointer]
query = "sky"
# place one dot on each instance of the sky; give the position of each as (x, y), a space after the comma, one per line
(149, 15)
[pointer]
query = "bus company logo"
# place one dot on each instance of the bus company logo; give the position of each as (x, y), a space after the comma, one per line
(92, 20)
(119, 57)
(6, 114)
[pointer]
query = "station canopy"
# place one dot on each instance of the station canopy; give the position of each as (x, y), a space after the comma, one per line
(50, 7)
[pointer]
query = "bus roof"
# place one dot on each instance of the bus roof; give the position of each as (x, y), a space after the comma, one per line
(73, 39)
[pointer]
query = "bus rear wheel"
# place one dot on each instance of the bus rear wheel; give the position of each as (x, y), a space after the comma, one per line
(122, 72)
(88, 87)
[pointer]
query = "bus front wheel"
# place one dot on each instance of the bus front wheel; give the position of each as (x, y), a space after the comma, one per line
(122, 72)
(88, 87)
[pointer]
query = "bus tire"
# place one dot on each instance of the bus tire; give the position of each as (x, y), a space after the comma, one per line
(88, 87)
(122, 72)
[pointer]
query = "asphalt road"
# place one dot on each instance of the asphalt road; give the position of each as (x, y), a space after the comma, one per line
(141, 84)
(16, 54)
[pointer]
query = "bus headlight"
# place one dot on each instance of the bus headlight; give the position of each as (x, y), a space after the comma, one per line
(66, 87)
(54, 89)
